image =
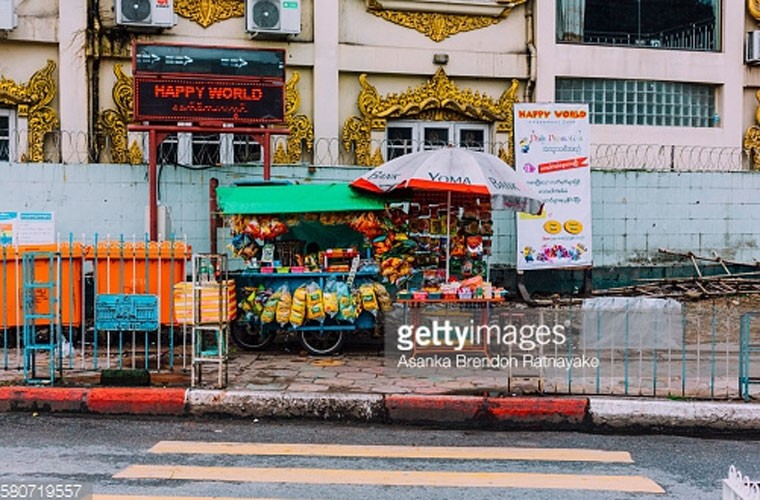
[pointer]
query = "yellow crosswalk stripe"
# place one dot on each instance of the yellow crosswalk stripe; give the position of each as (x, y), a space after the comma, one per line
(375, 451)
(628, 484)
(155, 497)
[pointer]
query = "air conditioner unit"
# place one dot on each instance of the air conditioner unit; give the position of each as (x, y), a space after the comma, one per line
(273, 16)
(752, 50)
(8, 17)
(145, 13)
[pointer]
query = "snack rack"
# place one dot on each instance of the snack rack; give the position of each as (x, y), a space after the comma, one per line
(211, 317)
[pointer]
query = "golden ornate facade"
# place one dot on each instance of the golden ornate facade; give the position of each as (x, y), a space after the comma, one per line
(300, 126)
(112, 123)
(31, 102)
(753, 6)
(208, 12)
(751, 142)
(436, 100)
(437, 25)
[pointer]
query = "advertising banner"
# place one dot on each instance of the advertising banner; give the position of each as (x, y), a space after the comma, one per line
(552, 155)
(27, 228)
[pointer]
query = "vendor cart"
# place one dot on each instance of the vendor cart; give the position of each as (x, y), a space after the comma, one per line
(309, 267)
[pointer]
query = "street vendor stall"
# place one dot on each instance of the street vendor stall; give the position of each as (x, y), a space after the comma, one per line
(453, 193)
(310, 268)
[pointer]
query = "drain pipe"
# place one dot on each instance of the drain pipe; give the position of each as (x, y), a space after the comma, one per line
(531, 46)
(214, 217)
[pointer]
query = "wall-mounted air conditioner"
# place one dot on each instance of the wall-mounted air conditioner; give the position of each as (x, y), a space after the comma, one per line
(752, 49)
(273, 16)
(8, 17)
(145, 13)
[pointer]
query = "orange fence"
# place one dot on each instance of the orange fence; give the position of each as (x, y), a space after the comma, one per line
(116, 267)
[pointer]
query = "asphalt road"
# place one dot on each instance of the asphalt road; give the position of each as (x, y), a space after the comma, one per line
(142, 457)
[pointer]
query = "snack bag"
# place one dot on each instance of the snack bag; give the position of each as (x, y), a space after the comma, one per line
(346, 303)
(315, 307)
(331, 298)
(270, 308)
(298, 307)
(383, 297)
(368, 299)
(283, 305)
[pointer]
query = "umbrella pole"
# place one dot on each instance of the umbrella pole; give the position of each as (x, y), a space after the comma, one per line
(448, 233)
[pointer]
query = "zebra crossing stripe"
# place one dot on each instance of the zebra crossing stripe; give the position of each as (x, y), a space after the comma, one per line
(628, 484)
(429, 452)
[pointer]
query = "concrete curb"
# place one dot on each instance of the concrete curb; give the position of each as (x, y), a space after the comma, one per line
(487, 411)
(114, 401)
(675, 415)
(274, 404)
(554, 413)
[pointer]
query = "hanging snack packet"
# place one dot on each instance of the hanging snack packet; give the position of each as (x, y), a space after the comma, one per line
(270, 308)
(368, 299)
(315, 307)
(283, 305)
(331, 298)
(346, 304)
(298, 307)
(383, 297)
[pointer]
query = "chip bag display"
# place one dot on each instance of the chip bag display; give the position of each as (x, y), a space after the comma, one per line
(346, 305)
(383, 297)
(270, 308)
(368, 299)
(315, 307)
(282, 313)
(298, 307)
(331, 298)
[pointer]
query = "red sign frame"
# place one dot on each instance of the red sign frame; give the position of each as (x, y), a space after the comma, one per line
(180, 99)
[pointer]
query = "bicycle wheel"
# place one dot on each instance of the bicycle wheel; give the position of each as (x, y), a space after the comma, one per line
(250, 335)
(322, 343)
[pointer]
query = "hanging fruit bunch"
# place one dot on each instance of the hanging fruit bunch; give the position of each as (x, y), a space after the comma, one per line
(368, 224)
(264, 227)
(395, 251)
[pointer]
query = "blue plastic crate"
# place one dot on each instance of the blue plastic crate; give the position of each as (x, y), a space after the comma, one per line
(118, 312)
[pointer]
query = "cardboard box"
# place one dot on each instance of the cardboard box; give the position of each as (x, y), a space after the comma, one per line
(211, 299)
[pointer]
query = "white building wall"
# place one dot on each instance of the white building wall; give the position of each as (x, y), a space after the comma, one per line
(724, 69)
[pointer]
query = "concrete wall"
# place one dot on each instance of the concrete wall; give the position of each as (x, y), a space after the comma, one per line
(634, 212)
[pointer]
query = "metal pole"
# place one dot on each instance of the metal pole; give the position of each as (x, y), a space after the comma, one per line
(267, 157)
(152, 186)
(448, 234)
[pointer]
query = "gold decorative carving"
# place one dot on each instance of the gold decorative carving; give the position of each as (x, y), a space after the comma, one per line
(32, 101)
(301, 129)
(752, 139)
(112, 123)
(439, 25)
(439, 99)
(208, 12)
(753, 6)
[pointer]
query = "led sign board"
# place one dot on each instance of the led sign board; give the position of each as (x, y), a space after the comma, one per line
(191, 99)
(217, 61)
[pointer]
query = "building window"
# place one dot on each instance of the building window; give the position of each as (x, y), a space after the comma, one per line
(6, 135)
(671, 24)
(209, 149)
(641, 102)
(404, 137)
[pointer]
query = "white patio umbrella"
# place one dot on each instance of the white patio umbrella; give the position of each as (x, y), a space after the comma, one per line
(454, 170)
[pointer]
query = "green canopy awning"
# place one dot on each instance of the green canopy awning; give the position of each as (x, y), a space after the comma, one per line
(296, 198)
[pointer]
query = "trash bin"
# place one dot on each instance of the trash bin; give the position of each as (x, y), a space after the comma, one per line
(70, 286)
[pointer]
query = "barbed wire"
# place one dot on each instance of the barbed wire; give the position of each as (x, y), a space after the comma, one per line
(80, 147)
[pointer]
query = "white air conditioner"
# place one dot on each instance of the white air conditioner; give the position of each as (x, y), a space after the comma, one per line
(8, 17)
(145, 13)
(273, 16)
(752, 50)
